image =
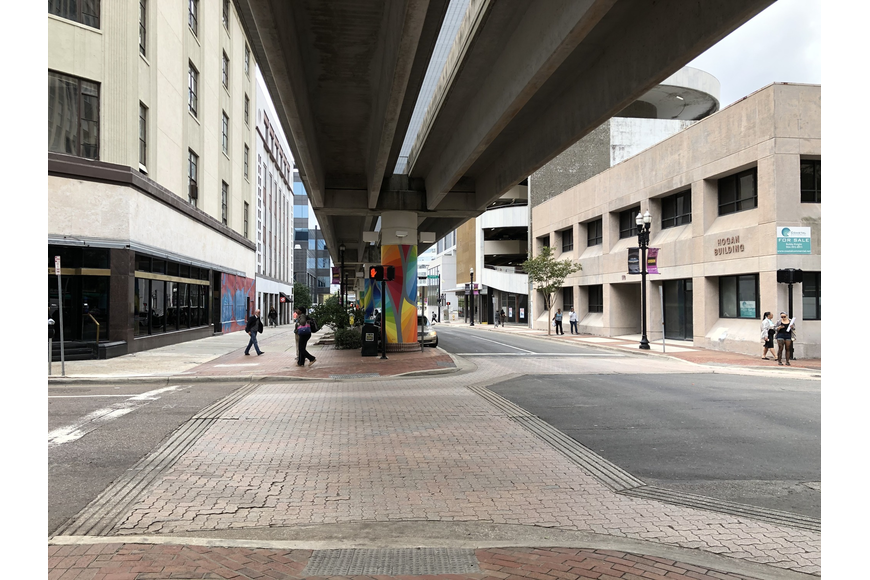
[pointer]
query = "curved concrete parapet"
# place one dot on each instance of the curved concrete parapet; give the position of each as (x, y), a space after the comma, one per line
(689, 94)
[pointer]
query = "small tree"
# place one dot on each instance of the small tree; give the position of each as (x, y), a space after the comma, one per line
(332, 313)
(547, 274)
(301, 296)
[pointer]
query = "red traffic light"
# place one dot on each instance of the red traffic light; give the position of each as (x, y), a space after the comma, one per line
(382, 273)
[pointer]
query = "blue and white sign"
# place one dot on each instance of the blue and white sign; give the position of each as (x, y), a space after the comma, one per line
(792, 240)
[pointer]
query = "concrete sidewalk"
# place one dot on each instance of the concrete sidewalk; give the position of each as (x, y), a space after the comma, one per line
(222, 357)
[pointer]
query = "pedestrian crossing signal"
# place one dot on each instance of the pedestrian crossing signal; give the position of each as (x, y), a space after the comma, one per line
(382, 273)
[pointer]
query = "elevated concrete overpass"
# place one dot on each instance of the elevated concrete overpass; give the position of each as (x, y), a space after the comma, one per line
(524, 81)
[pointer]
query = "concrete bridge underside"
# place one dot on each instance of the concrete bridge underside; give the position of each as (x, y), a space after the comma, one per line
(523, 82)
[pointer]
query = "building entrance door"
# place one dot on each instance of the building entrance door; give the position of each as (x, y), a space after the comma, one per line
(678, 309)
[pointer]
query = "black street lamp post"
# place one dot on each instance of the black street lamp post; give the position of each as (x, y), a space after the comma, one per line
(643, 226)
(471, 295)
(341, 286)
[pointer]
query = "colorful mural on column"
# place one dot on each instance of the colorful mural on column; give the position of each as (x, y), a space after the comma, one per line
(371, 298)
(401, 314)
(236, 291)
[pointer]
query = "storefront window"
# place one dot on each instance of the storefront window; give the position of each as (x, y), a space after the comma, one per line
(738, 296)
(157, 306)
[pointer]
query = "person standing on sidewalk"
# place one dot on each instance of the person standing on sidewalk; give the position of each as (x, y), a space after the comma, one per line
(273, 317)
(503, 317)
(767, 333)
(254, 327)
(783, 338)
(572, 318)
(558, 320)
(303, 335)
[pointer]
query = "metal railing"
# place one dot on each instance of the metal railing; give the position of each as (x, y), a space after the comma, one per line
(97, 344)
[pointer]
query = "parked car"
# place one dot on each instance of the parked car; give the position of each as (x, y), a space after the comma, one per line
(425, 330)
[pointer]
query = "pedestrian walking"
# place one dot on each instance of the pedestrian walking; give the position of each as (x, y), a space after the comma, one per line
(558, 320)
(572, 318)
(254, 327)
(303, 333)
(767, 334)
(792, 327)
(783, 339)
(503, 317)
(273, 317)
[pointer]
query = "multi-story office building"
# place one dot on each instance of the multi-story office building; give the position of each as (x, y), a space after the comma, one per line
(311, 261)
(733, 199)
(148, 194)
(274, 211)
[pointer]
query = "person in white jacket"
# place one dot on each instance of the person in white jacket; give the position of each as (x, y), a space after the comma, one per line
(767, 332)
(572, 318)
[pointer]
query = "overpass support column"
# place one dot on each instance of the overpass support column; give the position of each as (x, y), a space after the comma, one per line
(399, 250)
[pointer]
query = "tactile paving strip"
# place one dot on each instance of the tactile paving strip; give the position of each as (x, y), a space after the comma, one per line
(392, 562)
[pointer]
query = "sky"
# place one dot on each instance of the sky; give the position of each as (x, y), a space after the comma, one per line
(783, 43)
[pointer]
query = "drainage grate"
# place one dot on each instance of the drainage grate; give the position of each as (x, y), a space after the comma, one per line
(392, 562)
(450, 364)
(356, 376)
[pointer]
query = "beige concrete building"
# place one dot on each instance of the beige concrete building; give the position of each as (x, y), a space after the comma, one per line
(151, 138)
(724, 196)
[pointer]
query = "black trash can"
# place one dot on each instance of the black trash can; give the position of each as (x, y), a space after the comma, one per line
(371, 335)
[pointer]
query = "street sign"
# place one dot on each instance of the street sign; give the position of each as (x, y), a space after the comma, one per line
(57, 265)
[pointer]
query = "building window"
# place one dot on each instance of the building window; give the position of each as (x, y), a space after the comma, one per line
(738, 296)
(594, 233)
(738, 192)
(193, 189)
(247, 110)
(568, 240)
(143, 135)
(567, 298)
(85, 12)
(225, 71)
(142, 28)
(677, 209)
(225, 190)
(192, 82)
(225, 17)
(596, 298)
(811, 182)
(247, 60)
(192, 15)
(812, 295)
(225, 133)
(73, 116)
(627, 224)
(247, 152)
(246, 219)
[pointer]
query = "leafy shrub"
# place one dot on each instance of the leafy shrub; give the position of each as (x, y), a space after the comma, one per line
(346, 338)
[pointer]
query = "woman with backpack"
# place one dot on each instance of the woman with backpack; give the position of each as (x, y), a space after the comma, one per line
(303, 334)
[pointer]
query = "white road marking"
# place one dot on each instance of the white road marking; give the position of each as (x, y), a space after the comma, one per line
(503, 344)
(93, 420)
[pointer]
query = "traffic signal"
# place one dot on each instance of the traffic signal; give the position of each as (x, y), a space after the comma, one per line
(789, 276)
(382, 273)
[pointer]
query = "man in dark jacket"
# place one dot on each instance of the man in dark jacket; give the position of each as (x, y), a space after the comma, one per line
(254, 327)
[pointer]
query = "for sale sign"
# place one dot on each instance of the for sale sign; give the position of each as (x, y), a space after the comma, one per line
(792, 240)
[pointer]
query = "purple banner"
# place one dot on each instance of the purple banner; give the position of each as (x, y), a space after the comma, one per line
(652, 261)
(335, 275)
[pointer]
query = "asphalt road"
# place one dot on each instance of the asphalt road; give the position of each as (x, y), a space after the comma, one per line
(746, 439)
(98, 432)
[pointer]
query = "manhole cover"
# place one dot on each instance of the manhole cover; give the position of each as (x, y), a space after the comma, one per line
(392, 562)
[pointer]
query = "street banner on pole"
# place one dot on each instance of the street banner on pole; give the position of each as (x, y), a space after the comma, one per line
(652, 261)
(634, 260)
(335, 277)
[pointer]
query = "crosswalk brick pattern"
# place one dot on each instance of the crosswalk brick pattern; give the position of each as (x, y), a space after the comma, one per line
(418, 449)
